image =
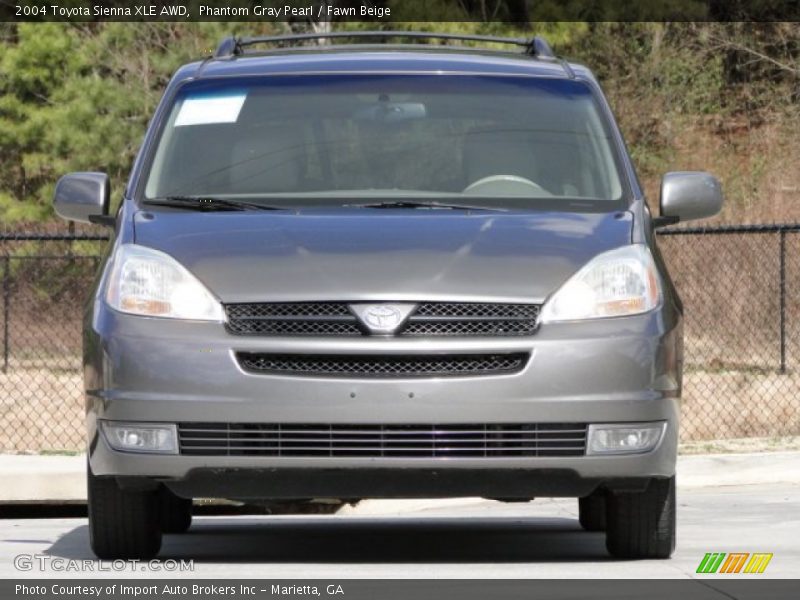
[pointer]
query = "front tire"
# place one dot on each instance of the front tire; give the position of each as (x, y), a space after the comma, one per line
(122, 524)
(642, 524)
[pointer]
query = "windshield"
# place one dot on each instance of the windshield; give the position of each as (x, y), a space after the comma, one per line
(340, 139)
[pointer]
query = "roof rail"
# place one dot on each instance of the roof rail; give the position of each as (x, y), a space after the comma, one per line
(232, 46)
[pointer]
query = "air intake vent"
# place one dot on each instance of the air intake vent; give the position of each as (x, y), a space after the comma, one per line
(383, 365)
(380, 440)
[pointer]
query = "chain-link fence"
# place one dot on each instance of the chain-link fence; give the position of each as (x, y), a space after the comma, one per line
(44, 278)
(742, 351)
(740, 287)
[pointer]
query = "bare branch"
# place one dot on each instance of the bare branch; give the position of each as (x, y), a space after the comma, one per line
(760, 56)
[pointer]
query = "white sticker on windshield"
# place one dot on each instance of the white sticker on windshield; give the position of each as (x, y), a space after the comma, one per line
(208, 108)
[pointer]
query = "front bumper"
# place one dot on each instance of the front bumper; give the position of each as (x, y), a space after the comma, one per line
(611, 371)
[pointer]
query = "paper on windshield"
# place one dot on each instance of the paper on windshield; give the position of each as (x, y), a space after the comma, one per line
(207, 109)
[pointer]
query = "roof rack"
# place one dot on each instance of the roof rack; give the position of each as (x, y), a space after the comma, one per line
(535, 46)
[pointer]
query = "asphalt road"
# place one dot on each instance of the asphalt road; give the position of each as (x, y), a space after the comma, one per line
(454, 538)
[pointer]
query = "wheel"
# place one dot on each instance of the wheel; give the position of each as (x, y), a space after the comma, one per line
(642, 524)
(122, 524)
(176, 512)
(592, 512)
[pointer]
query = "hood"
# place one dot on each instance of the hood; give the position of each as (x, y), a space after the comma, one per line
(382, 254)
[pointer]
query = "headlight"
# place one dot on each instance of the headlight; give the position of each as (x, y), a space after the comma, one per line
(147, 282)
(617, 283)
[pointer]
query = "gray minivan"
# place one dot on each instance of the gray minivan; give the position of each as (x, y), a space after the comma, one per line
(363, 270)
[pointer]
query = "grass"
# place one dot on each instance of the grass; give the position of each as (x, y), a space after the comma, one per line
(742, 445)
(56, 452)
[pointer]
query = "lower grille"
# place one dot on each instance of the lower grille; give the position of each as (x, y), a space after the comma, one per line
(373, 441)
(383, 365)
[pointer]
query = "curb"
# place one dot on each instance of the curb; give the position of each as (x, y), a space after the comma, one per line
(34, 478)
(757, 468)
(52, 479)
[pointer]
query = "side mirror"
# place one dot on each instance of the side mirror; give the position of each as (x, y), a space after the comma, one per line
(687, 195)
(83, 197)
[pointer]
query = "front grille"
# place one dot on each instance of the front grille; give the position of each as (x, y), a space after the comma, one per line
(373, 441)
(484, 310)
(292, 318)
(456, 328)
(291, 328)
(382, 365)
(468, 319)
(429, 319)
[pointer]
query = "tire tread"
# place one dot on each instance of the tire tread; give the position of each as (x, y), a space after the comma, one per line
(642, 524)
(122, 524)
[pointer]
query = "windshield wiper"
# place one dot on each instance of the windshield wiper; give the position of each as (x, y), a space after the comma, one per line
(416, 204)
(208, 203)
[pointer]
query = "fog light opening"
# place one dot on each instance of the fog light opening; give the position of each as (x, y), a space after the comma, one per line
(624, 438)
(160, 438)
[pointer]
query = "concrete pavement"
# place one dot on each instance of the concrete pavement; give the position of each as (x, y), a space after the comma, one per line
(726, 503)
(470, 538)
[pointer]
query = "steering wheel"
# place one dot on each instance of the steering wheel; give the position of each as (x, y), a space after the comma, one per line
(504, 185)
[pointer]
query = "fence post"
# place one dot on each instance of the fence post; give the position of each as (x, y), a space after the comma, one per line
(783, 299)
(71, 229)
(6, 306)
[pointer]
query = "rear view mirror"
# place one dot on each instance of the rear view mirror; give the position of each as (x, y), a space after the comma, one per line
(688, 195)
(391, 112)
(83, 197)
